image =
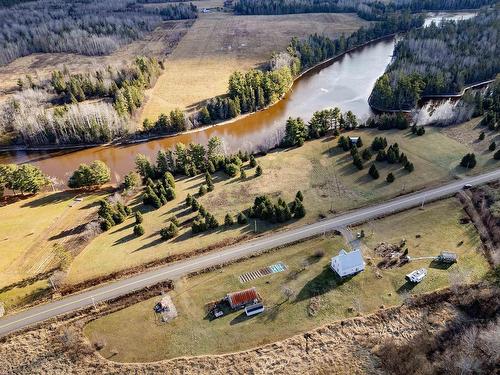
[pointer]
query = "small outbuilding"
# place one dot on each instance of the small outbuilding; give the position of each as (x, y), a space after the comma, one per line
(353, 140)
(346, 264)
(416, 276)
(447, 257)
(243, 298)
(254, 309)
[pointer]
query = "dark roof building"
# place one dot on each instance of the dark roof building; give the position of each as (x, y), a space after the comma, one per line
(243, 297)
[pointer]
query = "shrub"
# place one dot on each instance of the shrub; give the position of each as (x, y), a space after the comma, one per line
(373, 172)
(242, 219)
(202, 190)
(231, 169)
(253, 162)
(169, 232)
(468, 161)
(228, 220)
(258, 171)
(138, 230)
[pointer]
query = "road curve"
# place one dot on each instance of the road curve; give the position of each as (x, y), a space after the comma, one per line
(111, 290)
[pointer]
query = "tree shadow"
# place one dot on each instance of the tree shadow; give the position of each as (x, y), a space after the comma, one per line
(324, 282)
(407, 287)
(68, 232)
(49, 199)
(128, 226)
(439, 265)
(125, 239)
(241, 318)
(153, 243)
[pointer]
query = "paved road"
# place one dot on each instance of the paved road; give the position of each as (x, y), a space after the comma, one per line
(108, 291)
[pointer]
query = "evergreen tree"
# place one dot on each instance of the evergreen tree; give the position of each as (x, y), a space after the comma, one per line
(242, 219)
(138, 230)
(358, 163)
(253, 162)
(468, 161)
(299, 210)
(481, 136)
(169, 232)
(189, 200)
(228, 220)
(299, 196)
(138, 217)
(496, 156)
(373, 172)
(366, 155)
(258, 171)
(492, 146)
(202, 190)
(409, 167)
(243, 174)
(390, 178)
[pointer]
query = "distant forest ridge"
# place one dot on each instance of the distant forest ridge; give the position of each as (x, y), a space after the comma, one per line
(367, 9)
(89, 28)
(439, 60)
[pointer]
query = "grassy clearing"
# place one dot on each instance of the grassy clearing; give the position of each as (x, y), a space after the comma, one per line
(135, 334)
(220, 43)
(29, 228)
(319, 169)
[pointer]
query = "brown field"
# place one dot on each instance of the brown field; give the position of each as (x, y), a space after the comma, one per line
(219, 43)
(159, 44)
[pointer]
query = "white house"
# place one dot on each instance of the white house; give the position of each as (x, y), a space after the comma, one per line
(346, 264)
(417, 275)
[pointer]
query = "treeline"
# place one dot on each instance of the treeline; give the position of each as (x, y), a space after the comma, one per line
(440, 60)
(25, 178)
(371, 10)
(89, 27)
(125, 86)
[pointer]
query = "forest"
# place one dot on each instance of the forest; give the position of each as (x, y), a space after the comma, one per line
(57, 111)
(88, 27)
(368, 9)
(440, 60)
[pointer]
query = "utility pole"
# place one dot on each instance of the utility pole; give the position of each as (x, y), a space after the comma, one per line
(93, 303)
(255, 226)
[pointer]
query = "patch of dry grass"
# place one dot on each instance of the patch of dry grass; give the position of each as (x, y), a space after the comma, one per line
(220, 43)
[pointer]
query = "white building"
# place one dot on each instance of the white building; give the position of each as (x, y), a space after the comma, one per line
(417, 275)
(346, 264)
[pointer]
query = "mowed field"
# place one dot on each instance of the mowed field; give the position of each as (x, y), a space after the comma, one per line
(158, 44)
(220, 43)
(29, 229)
(135, 334)
(325, 175)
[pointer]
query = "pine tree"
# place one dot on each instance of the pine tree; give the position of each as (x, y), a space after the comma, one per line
(138, 217)
(202, 190)
(138, 230)
(189, 200)
(299, 196)
(358, 163)
(481, 136)
(493, 146)
(373, 172)
(253, 162)
(299, 210)
(242, 219)
(366, 155)
(243, 174)
(228, 220)
(258, 171)
(390, 178)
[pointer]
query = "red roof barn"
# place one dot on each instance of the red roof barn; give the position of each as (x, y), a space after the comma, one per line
(243, 297)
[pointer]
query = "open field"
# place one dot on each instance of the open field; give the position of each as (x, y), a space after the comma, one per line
(325, 175)
(136, 335)
(157, 44)
(220, 43)
(31, 227)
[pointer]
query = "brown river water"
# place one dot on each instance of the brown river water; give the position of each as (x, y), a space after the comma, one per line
(345, 83)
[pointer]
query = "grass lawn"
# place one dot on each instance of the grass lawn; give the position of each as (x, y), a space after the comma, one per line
(135, 334)
(319, 169)
(220, 43)
(29, 228)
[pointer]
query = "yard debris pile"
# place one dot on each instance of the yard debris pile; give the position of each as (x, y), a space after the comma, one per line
(393, 255)
(166, 309)
(314, 305)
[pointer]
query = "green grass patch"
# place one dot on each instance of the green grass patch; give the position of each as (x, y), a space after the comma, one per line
(134, 334)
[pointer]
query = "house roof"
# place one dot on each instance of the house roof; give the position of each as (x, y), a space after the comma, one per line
(350, 260)
(243, 297)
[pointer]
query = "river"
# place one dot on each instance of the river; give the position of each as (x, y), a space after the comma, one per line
(345, 83)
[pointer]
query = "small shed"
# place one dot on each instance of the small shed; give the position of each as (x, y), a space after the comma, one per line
(353, 140)
(346, 264)
(416, 276)
(254, 309)
(447, 257)
(243, 298)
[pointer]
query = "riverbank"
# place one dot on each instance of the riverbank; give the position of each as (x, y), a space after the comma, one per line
(430, 97)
